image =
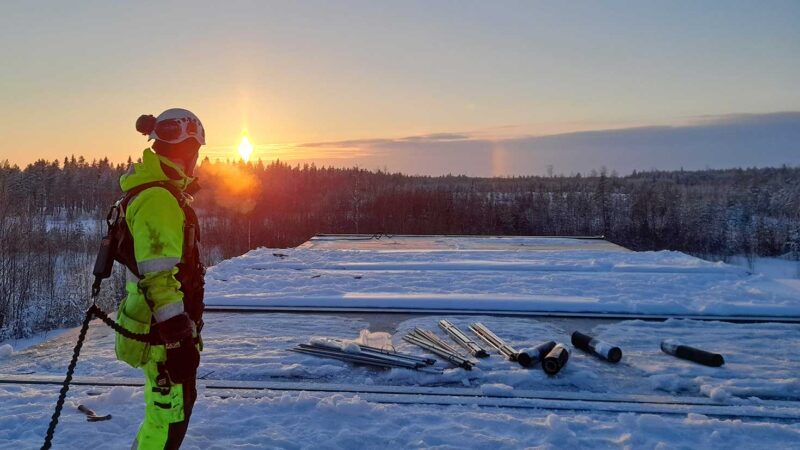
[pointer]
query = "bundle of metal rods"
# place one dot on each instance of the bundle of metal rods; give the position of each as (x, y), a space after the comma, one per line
(363, 354)
(432, 343)
(462, 339)
(523, 358)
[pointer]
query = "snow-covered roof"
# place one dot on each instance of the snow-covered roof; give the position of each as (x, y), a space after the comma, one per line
(432, 243)
(511, 274)
(255, 393)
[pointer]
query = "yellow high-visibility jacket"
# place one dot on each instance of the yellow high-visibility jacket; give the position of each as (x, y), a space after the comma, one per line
(156, 223)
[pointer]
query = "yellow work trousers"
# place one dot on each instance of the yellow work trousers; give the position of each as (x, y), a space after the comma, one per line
(168, 407)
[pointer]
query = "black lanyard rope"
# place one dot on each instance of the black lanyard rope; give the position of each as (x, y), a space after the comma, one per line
(93, 311)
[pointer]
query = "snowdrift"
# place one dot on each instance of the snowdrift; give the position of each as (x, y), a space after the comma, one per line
(522, 274)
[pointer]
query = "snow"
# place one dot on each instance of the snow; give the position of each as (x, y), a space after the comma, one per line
(778, 268)
(23, 343)
(499, 274)
(498, 389)
(314, 420)
(760, 372)
(795, 284)
(783, 270)
(254, 347)
(433, 243)
(85, 225)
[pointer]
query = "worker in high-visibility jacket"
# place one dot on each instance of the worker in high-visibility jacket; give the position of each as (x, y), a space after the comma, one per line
(165, 283)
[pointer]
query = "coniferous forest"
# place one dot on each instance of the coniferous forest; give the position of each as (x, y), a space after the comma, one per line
(52, 217)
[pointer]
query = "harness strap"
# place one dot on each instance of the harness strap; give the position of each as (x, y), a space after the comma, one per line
(93, 310)
(191, 217)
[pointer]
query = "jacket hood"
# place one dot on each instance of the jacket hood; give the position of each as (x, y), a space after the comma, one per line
(154, 168)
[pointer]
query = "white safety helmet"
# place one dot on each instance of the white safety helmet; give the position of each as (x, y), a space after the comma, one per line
(172, 126)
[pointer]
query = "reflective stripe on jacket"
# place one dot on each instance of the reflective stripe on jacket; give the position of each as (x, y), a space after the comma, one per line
(156, 222)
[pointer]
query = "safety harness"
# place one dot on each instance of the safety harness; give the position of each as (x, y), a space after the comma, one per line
(117, 245)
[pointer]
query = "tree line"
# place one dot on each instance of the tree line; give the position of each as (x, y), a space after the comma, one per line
(52, 216)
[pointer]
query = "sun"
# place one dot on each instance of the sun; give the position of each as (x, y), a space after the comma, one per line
(245, 148)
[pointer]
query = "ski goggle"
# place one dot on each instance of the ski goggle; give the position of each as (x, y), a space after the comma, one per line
(174, 131)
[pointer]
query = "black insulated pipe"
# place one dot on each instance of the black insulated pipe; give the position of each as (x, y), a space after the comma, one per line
(555, 360)
(538, 353)
(610, 353)
(692, 354)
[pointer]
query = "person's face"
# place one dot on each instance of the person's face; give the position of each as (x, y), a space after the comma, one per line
(190, 165)
(191, 150)
(184, 153)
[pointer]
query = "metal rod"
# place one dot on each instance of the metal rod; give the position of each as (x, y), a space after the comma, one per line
(436, 340)
(490, 338)
(360, 355)
(376, 350)
(360, 359)
(454, 359)
(347, 357)
(462, 339)
(416, 362)
(458, 359)
(523, 358)
(339, 344)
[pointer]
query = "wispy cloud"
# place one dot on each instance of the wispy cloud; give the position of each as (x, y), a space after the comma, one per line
(437, 137)
(692, 143)
(369, 143)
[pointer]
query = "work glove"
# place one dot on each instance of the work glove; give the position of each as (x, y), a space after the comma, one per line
(182, 355)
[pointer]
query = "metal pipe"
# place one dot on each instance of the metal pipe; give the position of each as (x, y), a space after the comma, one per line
(361, 359)
(341, 355)
(492, 339)
(433, 338)
(405, 363)
(439, 352)
(523, 358)
(376, 350)
(454, 359)
(462, 339)
(339, 344)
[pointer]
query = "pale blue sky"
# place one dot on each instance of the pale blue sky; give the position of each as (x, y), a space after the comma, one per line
(75, 75)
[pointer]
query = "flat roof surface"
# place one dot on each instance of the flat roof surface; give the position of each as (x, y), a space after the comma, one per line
(458, 243)
(493, 273)
(300, 400)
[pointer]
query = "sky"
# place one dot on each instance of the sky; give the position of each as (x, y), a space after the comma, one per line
(429, 87)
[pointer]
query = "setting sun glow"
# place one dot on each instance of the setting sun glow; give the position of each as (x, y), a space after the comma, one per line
(245, 148)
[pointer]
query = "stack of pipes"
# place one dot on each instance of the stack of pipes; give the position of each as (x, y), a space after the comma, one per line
(462, 339)
(366, 355)
(432, 343)
(493, 340)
